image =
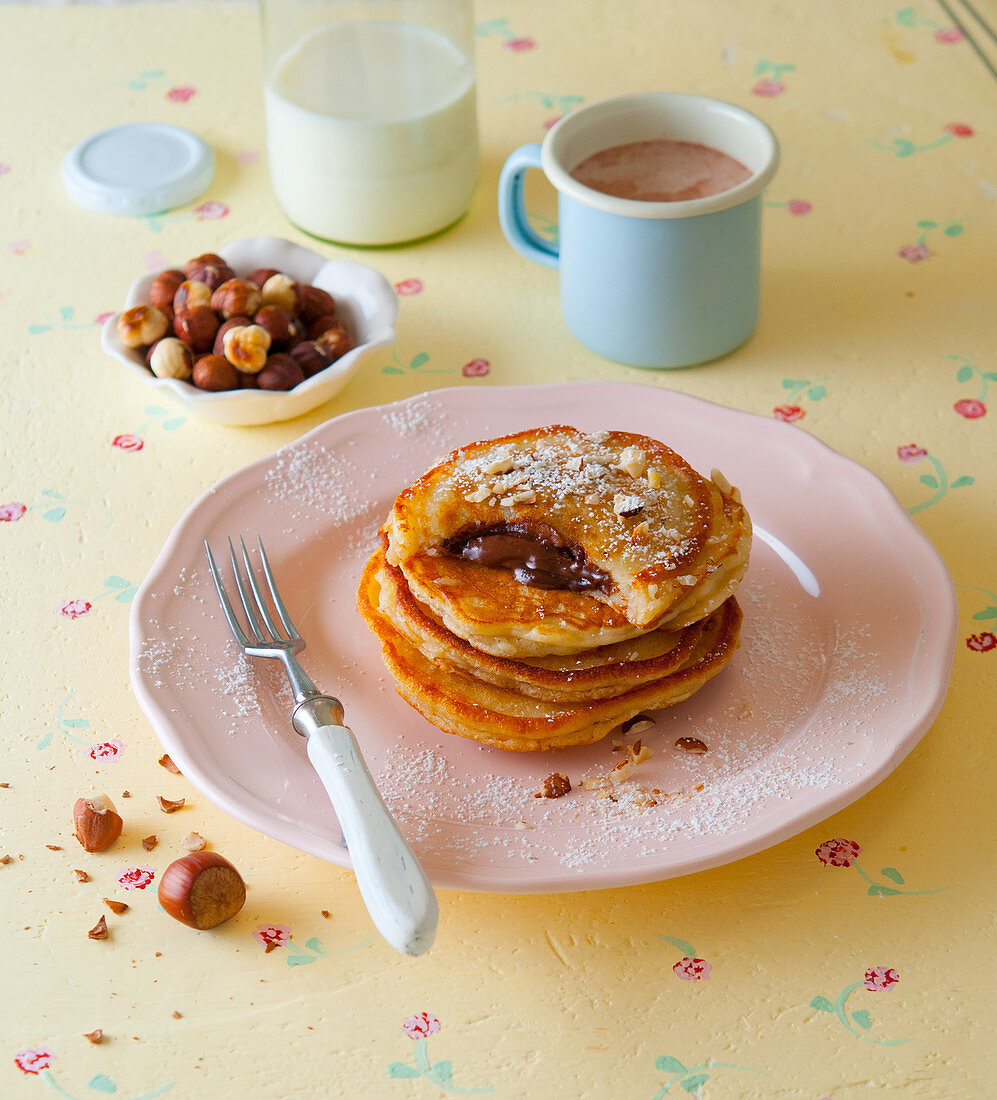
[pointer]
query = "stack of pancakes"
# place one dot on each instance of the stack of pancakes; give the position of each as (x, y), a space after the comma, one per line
(537, 590)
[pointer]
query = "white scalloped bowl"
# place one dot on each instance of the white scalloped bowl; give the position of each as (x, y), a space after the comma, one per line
(365, 301)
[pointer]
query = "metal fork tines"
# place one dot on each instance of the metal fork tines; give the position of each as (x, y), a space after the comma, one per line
(267, 639)
(393, 885)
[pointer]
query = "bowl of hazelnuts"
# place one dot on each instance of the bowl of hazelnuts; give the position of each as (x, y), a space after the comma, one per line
(263, 330)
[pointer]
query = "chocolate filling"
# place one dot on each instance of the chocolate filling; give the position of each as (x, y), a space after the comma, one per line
(536, 554)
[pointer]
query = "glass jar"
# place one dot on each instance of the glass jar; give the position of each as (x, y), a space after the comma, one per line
(370, 115)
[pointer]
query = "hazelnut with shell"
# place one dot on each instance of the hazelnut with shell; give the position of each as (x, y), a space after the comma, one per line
(201, 890)
(142, 325)
(236, 298)
(310, 357)
(164, 288)
(280, 373)
(246, 347)
(277, 322)
(191, 295)
(171, 358)
(279, 290)
(197, 328)
(208, 268)
(97, 823)
(215, 373)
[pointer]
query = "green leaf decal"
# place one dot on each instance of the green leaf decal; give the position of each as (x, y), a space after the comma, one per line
(990, 375)
(45, 741)
(127, 596)
(300, 960)
(75, 723)
(52, 493)
(420, 360)
(904, 148)
(399, 1069)
(690, 1084)
(930, 480)
(793, 383)
(907, 17)
(391, 370)
(822, 1004)
(115, 582)
(53, 515)
(893, 875)
(443, 1071)
(963, 374)
(685, 948)
(815, 393)
(952, 230)
(66, 313)
(316, 945)
(667, 1064)
(986, 613)
(173, 423)
(863, 1019)
(34, 330)
(877, 891)
(102, 1083)
(155, 410)
(962, 481)
(926, 225)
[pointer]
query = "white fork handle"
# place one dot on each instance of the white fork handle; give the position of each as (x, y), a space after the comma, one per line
(392, 882)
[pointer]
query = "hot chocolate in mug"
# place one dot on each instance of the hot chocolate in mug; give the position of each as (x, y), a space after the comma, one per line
(650, 283)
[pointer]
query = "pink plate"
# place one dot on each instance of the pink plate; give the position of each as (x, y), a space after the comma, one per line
(848, 640)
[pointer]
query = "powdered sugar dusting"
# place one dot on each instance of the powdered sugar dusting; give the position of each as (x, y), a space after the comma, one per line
(416, 417)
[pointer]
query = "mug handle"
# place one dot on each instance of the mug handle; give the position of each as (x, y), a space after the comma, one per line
(512, 209)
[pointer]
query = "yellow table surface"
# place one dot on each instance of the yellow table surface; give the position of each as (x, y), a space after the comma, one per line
(877, 334)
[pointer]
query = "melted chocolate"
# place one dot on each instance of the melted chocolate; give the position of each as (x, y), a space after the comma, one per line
(535, 553)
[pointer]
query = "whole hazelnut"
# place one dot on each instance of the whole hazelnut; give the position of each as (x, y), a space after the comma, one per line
(280, 373)
(236, 298)
(247, 381)
(297, 332)
(246, 347)
(279, 290)
(231, 323)
(277, 322)
(208, 268)
(191, 295)
(164, 288)
(313, 303)
(97, 823)
(323, 324)
(171, 358)
(215, 373)
(201, 890)
(197, 328)
(310, 357)
(335, 341)
(261, 274)
(142, 325)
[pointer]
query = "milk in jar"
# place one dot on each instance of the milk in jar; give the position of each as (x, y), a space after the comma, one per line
(372, 132)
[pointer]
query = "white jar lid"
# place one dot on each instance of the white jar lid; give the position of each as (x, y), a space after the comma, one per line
(139, 168)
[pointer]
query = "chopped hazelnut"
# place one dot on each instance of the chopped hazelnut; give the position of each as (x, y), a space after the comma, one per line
(554, 786)
(99, 930)
(150, 842)
(168, 805)
(94, 1036)
(165, 761)
(81, 876)
(116, 907)
(193, 842)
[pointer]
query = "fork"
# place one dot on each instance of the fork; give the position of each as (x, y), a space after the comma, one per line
(392, 882)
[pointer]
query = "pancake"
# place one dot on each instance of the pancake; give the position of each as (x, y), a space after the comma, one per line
(464, 705)
(645, 536)
(596, 673)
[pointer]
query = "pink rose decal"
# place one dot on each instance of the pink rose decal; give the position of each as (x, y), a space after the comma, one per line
(271, 936)
(692, 970)
(127, 442)
(407, 287)
(838, 853)
(421, 1025)
(476, 368)
(982, 643)
(181, 94)
(4, 169)
(248, 157)
(11, 513)
(102, 317)
(914, 253)
(911, 452)
(550, 123)
(136, 878)
(519, 45)
(769, 88)
(33, 1060)
(959, 129)
(948, 35)
(878, 979)
(211, 211)
(798, 207)
(788, 413)
(106, 750)
(18, 247)
(970, 408)
(75, 609)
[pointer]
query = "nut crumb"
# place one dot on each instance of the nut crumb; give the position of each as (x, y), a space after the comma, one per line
(556, 785)
(4, 785)
(94, 1036)
(193, 842)
(150, 842)
(326, 914)
(126, 794)
(54, 847)
(99, 930)
(477, 496)
(176, 1015)
(5, 859)
(167, 763)
(627, 505)
(116, 907)
(637, 724)
(170, 806)
(523, 825)
(81, 875)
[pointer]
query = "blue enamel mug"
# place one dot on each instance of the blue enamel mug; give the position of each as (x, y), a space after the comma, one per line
(649, 284)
